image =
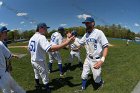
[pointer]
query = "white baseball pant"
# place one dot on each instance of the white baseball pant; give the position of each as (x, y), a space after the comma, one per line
(41, 71)
(76, 54)
(88, 64)
(55, 55)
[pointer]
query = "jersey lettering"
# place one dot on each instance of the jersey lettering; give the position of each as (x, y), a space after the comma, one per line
(89, 40)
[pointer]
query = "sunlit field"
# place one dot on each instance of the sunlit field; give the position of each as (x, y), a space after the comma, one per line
(120, 70)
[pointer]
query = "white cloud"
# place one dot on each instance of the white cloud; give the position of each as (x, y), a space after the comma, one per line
(22, 22)
(1, 3)
(63, 24)
(22, 14)
(83, 16)
(32, 22)
(16, 29)
(136, 24)
(3, 24)
(126, 26)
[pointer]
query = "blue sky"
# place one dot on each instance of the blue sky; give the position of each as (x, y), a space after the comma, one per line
(25, 14)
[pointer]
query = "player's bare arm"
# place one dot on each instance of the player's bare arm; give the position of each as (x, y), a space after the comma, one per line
(99, 63)
(62, 45)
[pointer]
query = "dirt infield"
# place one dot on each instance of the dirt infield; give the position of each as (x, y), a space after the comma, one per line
(17, 47)
(111, 45)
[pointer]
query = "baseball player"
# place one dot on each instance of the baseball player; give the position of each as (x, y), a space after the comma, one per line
(96, 45)
(7, 83)
(56, 39)
(38, 45)
(4, 38)
(127, 43)
(75, 51)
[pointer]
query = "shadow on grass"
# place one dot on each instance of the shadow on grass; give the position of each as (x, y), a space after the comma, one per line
(57, 84)
(72, 67)
(36, 91)
(61, 82)
(91, 81)
(66, 67)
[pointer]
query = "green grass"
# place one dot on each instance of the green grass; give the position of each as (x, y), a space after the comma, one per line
(120, 71)
(18, 44)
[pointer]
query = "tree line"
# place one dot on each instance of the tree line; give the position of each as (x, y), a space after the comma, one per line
(113, 31)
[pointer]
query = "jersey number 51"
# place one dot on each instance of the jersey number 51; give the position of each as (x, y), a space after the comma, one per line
(32, 46)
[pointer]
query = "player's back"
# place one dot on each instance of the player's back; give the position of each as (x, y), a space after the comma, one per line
(37, 53)
(56, 38)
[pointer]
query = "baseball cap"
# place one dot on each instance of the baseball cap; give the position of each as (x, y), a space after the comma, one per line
(42, 25)
(60, 29)
(4, 29)
(88, 19)
(74, 33)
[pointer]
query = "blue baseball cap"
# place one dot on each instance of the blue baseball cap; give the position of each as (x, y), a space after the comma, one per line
(4, 29)
(88, 19)
(42, 25)
(60, 29)
(74, 33)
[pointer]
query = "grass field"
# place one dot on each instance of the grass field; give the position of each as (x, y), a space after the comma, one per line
(120, 71)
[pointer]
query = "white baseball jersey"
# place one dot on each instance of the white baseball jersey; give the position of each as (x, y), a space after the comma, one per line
(38, 45)
(56, 38)
(5, 53)
(73, 46)
(7, 83)
(94, 42)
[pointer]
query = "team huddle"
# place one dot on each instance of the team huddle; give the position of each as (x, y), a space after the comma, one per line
(94, 41)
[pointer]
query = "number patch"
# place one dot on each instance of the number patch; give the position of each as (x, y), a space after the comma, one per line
(53, 38)
(32, 46)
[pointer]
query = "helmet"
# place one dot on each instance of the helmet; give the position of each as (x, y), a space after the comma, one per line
(74, 33)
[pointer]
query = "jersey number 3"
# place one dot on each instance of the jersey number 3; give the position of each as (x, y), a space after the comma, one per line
(32, 46)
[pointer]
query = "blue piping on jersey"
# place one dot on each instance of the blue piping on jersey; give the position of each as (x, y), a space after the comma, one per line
(105, 45)
(10, 56)
(48, 48)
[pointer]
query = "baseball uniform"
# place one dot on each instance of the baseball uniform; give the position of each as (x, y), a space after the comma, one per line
(38, 46)
(94, 43)
(7, 83)
(56, 39)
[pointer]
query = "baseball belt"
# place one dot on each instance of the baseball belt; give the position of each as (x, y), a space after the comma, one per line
(91, 57)
(75, 50)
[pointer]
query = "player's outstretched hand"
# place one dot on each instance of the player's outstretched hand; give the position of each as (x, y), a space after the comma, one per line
(98, 65)
(71, 39)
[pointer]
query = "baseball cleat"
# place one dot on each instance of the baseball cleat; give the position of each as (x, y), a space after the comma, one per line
(83, 88)
(99, 85)
(49, 71)
(61, 75)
